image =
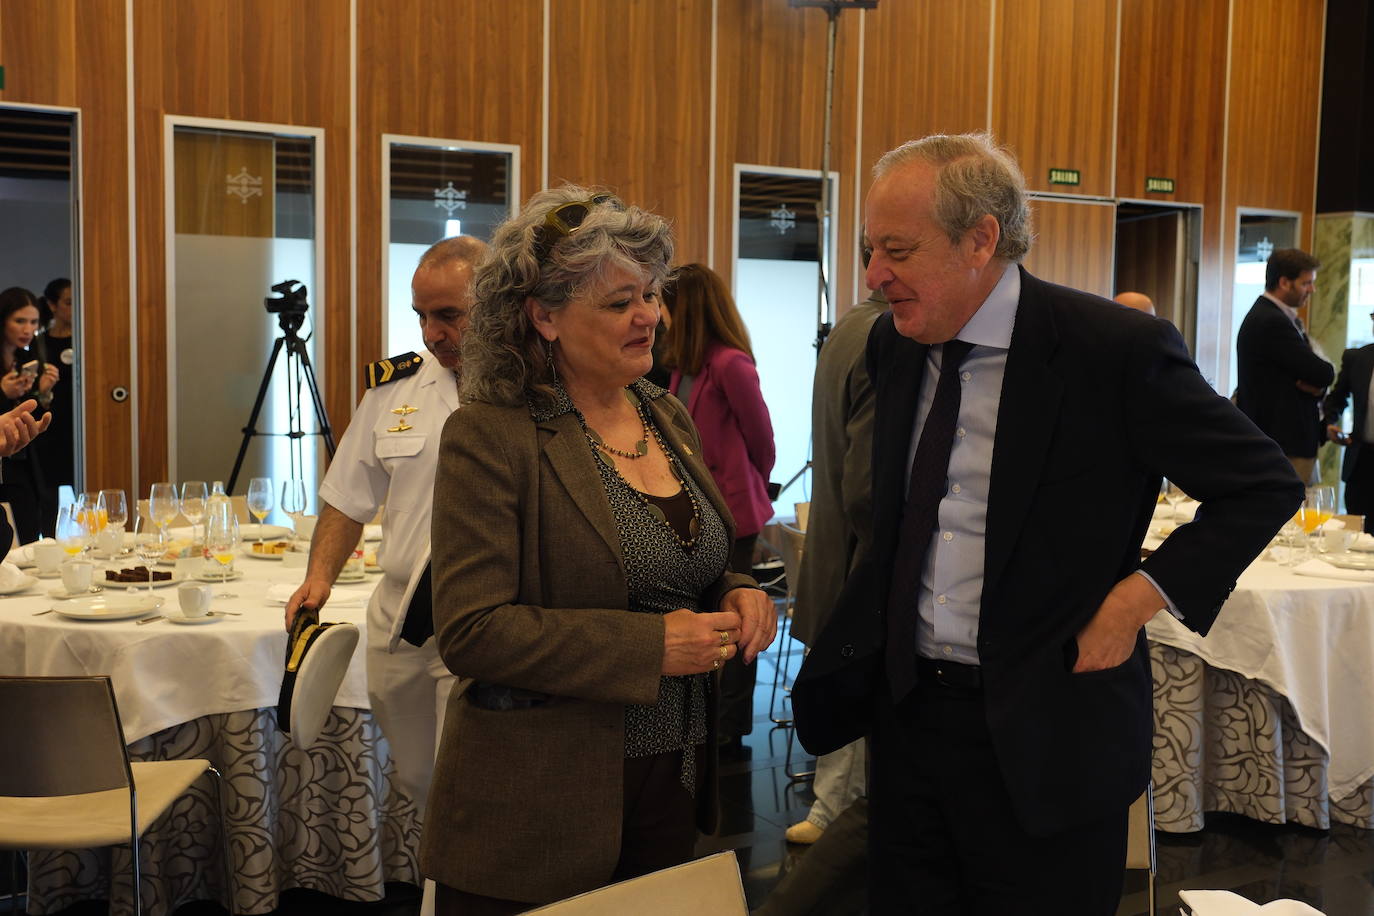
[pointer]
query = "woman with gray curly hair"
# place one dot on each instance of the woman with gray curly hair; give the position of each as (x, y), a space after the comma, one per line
(580, 592)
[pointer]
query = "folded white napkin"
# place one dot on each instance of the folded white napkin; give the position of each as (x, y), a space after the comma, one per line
(372, 532)
(1333, 524)
(12, 577)
(1225, 903)
(21, 556)
(339, 597)
(1363, 541)
(1324, 570)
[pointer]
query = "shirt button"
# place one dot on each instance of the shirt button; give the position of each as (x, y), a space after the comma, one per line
(948, 650)
(966, 376)
(954, 489)
(940, 599)
(962, 432)
(948, 535)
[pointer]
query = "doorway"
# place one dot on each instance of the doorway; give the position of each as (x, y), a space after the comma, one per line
(1157, 253)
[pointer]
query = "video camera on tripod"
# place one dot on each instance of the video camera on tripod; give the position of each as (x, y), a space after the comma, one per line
(289, 305)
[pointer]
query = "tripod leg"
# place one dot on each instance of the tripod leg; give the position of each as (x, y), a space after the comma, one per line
(251, 429)
(320, 413)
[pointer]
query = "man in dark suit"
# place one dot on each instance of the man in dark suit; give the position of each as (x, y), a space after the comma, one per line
(1280, 379)
(1357, 468)
(991, 640)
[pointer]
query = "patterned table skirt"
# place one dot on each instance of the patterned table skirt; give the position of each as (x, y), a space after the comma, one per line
(327, 819)
(1226, 743)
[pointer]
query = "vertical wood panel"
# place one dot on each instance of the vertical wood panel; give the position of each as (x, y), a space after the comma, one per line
(629, 103)
(434, 68)
(71, 53)
(1074, 244)
(771, 109)
(1053, 89)
(248, 60)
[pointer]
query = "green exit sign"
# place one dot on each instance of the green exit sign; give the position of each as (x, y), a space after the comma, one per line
(1159, 186)
(1064, 176)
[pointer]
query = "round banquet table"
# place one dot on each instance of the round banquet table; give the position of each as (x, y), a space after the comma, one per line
(1268, 715)
(325, 817)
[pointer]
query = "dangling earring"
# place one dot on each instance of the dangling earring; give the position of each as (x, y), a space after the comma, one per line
(548, 359)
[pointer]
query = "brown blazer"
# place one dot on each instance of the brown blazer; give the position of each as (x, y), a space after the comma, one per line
(530, 592)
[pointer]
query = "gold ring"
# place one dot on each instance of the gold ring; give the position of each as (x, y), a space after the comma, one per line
(724, 652)
(724, 637)
(715, 664)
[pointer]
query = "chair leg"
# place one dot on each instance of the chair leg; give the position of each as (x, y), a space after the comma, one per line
(782, 671)
(224, 840)
(801, 775)
(133, 852)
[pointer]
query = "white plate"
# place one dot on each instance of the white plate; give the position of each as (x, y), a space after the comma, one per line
(55, 574)
(161, 583)
(249, 532)
(177, 617)
(61, 593)
(247, 551)
(354, 579)
(108, 607)
(215, 577)
(1349, 560)
(23, 583)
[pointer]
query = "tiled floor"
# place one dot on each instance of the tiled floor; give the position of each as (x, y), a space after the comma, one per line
(1333, 872)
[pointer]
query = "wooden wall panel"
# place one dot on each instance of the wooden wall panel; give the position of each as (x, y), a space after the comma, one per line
(1074, 244)
(629, 106)
(71, 53)
(1054, 87)
(247, 60)
(925, 71)
(771, 109)
(202, 161)
(1172, 106)
(454, 71)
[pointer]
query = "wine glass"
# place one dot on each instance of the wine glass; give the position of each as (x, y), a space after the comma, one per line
(222, 536)
(163, 503)
(293, 500)
(260, 500)
(72, 533)
(89, 513)
(194, 493)
(115, 508)
(1173, 495)
(1318, 507)
(151, 542)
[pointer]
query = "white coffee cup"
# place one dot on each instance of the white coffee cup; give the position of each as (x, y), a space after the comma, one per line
(110, 540)
(47, 556)
(194, 599)
(76, 576)
(1336, 541)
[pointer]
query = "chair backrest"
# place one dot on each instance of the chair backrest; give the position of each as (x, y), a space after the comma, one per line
(62, 737)
(793, 543)
(803, 514)
(710, 885)
(1352, 522)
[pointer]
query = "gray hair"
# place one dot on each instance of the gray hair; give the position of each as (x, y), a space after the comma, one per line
(465, 249)
(503, 358)
(974, 177)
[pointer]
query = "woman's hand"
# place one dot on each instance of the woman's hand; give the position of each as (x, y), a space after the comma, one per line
(14, 385)
(48, 378)
(696, 643)
(758, 619)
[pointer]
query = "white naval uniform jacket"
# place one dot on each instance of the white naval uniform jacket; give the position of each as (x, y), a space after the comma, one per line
(379, 462)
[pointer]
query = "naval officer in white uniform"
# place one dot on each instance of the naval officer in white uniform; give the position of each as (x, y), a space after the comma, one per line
(387, 458)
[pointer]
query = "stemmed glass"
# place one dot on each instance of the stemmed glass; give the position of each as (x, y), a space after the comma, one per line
(1173, 495)
(72, 533)
(90, 515)
(222, 536)
(1317, 509)
(260, 500)
(293, 500)
(163, 503)
(151, 542)
(115, 508)
(194, 493)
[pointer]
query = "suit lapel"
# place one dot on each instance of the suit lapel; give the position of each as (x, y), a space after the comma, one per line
(569, 456)
(1026, 418)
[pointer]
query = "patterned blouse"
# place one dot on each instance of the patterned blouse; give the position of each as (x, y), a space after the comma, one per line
(663, 575)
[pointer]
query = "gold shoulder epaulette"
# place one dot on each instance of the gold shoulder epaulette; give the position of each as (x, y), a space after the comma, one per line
(389, 370)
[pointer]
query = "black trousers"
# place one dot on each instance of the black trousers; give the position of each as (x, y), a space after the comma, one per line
(1359, 489)
(944, 838)
(737, 679)
(658, 830)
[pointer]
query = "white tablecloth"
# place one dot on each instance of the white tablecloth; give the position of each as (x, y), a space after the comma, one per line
(166, 673)
(1312, 641)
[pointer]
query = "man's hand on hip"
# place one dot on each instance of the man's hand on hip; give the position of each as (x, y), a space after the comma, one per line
(1109, 638)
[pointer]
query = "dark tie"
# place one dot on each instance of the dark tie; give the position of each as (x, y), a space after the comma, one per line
(929, 470)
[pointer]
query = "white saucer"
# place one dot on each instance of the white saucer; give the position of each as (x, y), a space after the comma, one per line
(214, 578)
(177, 617)
(55, 574)
(354, 579)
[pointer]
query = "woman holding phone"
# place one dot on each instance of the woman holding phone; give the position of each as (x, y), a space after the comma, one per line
(24, 376)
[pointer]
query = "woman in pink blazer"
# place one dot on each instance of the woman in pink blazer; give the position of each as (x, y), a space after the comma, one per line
(707, 349)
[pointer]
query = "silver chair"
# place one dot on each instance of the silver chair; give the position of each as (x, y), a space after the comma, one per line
(1140, 839)
(793, 545)
(66, 781)
(709, 885)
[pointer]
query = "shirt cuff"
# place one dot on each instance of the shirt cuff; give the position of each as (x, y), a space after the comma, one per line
(1168, 602)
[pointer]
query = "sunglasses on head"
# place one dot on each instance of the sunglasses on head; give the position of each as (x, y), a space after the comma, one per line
(563, 221)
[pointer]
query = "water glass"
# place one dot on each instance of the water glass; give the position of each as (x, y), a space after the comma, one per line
(260, 500)
(163, 503)
(194, 493)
